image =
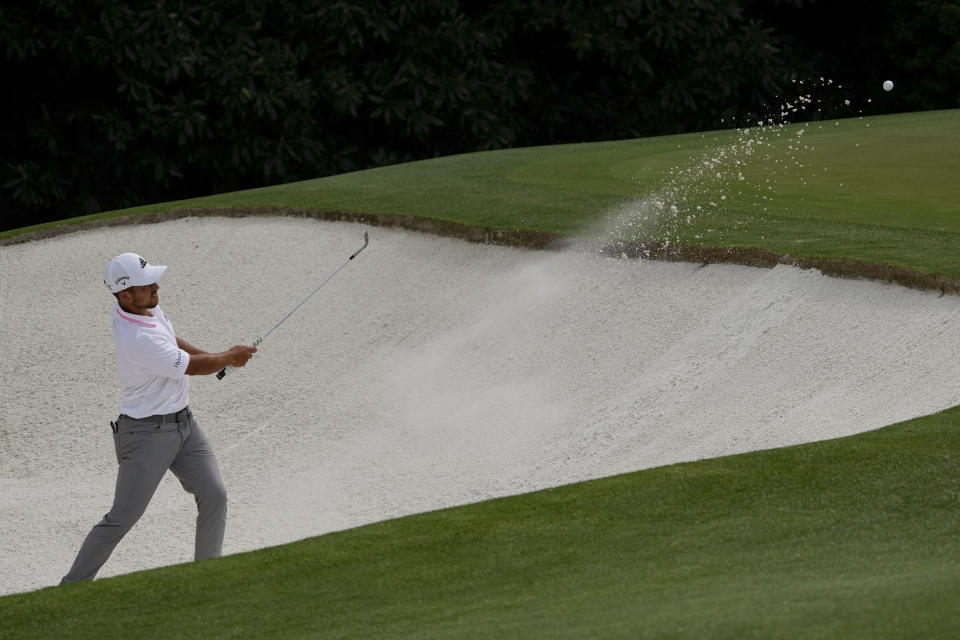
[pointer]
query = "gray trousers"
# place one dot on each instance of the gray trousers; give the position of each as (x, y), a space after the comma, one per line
(145, 450)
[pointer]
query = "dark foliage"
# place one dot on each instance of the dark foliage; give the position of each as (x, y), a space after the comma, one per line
(110, 105)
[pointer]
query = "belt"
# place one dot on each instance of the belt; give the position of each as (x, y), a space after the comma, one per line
(163, 418)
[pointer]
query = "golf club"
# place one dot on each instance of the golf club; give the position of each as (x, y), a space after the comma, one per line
(366, 240)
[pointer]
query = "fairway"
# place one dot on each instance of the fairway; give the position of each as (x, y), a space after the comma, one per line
(435, 373)
(867, 190)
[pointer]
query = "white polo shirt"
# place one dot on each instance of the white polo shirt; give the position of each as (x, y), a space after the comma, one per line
(152, 368)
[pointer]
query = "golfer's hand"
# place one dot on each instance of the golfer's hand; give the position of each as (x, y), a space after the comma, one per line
(240, 355)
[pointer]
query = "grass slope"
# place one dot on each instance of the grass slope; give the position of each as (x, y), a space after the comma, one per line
(880, 189)
(851, 538)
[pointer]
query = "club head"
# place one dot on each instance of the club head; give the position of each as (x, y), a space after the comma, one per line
(366, 241)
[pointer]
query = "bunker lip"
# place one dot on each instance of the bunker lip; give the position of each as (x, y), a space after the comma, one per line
(753, 257)
(531, 239)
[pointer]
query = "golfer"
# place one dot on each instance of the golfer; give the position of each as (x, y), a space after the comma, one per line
(156, 430)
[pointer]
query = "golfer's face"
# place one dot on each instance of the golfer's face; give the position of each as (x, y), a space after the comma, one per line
(144, 297)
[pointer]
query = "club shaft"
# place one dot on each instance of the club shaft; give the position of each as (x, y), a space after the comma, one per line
(366, 240)
(300, 304)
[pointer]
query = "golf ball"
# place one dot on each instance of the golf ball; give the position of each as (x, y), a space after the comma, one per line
(888, 85)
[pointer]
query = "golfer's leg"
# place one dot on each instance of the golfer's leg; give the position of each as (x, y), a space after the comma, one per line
(196, 468)
(144, 459)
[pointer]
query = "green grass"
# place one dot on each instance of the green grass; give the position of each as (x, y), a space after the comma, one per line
(850, 538)
(880, 189)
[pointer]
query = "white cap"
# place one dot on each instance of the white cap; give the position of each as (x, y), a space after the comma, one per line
(130, 270)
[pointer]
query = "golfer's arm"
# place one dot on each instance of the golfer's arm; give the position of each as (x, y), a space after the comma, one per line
(201, 362)
(189, 348)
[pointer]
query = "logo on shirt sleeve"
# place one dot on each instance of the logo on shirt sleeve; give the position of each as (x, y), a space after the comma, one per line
(176, 365)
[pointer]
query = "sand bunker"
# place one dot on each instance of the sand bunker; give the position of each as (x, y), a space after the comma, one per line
(429, 373)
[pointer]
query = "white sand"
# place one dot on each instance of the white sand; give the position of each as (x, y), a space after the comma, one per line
(429, 373)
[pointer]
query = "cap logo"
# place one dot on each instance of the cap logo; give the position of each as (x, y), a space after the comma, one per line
(143, 263)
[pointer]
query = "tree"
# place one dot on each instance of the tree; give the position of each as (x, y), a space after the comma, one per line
(126, 105)
(117, 105)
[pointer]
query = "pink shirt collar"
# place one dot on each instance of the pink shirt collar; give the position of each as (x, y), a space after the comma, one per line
(133, 319)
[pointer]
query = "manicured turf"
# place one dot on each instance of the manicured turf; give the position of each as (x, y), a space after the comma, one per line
(851, 538)
(881, 189)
